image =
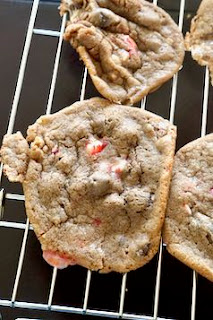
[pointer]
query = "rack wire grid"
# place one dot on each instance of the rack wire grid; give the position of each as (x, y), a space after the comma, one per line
(25, 226)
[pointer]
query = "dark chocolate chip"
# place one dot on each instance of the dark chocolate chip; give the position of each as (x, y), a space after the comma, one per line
(209, 238)
(144, 251)
(104, 21)
(150, 200)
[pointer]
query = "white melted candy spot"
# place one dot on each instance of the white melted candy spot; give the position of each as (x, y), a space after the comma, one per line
(104, 166)
(187, 209)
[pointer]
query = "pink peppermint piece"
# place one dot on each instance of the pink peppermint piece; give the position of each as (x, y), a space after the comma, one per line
(57, 260)
(119, 167)
(95, 146)
(55, 150)
(187, 208)
(132, 46)
(96, 222)
(211, 191)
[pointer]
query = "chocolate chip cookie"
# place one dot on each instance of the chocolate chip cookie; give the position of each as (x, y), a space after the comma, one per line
(188, 230)
(130, 47)
(200, 38)
(95, 178)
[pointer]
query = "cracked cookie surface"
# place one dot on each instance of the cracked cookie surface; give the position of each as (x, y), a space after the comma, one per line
(96, 178)
(188, 230)
(130, 47)
(200, 38)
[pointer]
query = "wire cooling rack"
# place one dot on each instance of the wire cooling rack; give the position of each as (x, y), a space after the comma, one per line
(49, 305)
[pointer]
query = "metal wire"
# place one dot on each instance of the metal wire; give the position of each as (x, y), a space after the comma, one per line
(205, 103)
(86, 294)
(75, 310)
(13, 196)
(171, 119)
(202, 134)
(175, 78)
(83, 86)
(13, 225)
(143, 101)
(21, 71)
(194, 290)
(122, 297)
(23, 66)
(48, 111)
(43, 32)
(20, 262)
(52, 287)
(157, 285)
(1, 202)
(11, 125)
(56, 64)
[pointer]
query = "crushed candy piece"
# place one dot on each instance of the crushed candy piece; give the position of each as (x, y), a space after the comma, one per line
(187, 208)
(115, 168)
(95, 146)
(211, 191)
(132, 46)
(97, 222)
(55, 150)
(119, 167)
(57, 260)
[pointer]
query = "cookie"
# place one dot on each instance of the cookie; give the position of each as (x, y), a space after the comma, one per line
(188, 229)
(130, 47)
(200, 38)
(95, 178)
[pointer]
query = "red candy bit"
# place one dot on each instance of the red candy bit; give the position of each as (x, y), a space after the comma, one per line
(57, 260)
(211, 191)
(55, 150)
(97, 222)
(95, 146)
(119, 167)
(132, 46)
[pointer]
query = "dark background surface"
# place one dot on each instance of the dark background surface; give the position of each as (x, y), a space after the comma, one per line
(176, 279)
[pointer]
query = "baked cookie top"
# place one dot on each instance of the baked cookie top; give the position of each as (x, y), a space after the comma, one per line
(200, 38)
(188, 230)
(95, 178)
(130, 47)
